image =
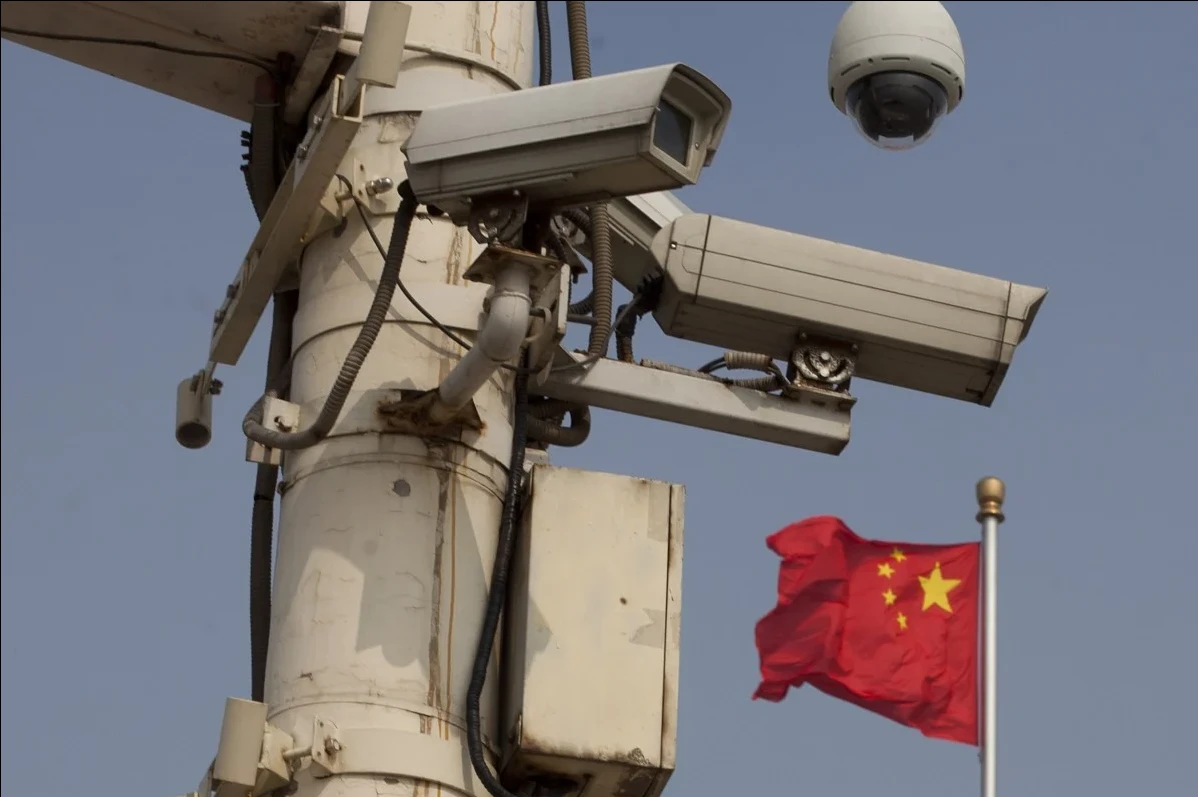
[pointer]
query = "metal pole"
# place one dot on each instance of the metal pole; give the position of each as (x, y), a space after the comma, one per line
(991, 492)
(386, 540)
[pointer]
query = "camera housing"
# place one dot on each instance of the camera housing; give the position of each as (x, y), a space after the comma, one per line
(569, 144)
(914, 325)
(896, 69)
(193, 413)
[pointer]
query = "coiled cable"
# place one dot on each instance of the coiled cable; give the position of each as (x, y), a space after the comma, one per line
(544, 423)
(545, 42)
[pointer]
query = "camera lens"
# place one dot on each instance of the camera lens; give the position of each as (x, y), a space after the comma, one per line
(193, 434)
(896, 110)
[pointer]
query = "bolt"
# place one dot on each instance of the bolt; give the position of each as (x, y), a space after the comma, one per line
(317, 120)
(825, 356)
(301, 152)
(379, 185)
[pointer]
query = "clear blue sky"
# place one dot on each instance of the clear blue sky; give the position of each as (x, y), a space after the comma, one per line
(1071, 165)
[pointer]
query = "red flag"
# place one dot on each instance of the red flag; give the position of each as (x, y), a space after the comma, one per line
(890, 627)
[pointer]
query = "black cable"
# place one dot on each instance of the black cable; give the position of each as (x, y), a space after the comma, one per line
(262, 524)
(590, 358)
(714, 365)
(546, 423)
(149, 45)
(624, 334)
(545, 42)
(252, 425)
(579, 219)
(262, 181)
(446, 331)
(498, 592)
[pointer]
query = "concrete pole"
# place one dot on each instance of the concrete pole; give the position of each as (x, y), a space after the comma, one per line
(386, 540)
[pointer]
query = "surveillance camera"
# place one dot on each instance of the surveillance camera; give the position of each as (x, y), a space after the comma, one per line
(896, 69)
(902, 322)
(193, 413)
(568, 144)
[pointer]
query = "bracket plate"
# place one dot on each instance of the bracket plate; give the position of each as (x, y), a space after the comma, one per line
(387, 751)
(285, 228)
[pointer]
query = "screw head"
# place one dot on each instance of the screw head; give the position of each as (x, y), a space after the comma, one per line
(379, 185)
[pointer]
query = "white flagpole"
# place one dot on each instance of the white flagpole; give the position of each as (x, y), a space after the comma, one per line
(991, 492)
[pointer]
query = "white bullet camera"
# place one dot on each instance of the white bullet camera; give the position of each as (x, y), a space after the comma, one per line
(906, 323)
(569, 144)
(896, 69)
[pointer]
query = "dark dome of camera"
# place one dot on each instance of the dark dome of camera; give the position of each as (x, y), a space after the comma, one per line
(895, 107)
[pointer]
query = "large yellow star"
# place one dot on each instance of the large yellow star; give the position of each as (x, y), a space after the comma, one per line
(936, 588)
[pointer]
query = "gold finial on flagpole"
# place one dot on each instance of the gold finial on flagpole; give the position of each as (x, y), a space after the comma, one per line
(991, 493)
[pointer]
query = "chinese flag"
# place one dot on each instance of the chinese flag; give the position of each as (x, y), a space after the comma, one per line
(891, 627)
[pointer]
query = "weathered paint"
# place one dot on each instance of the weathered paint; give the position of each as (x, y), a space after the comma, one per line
(386, 540)
(593, 632)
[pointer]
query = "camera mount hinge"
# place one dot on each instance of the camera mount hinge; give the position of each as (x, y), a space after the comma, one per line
(821, 369)
(498, 217)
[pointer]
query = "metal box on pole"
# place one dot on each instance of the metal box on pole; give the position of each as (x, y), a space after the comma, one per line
(590, 674)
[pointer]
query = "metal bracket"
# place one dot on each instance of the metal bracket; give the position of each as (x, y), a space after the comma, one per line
(387, 751)
(498, 217)
(496, 257)
(812, 422)
(410, 414)
(821, 370)
(549, 284)
(303, 89)
(278, 414)
(551, 309)
(289, 221)
(376, 192)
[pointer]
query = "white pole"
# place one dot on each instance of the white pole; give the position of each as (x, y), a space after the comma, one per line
(991, 493)
(386, 541)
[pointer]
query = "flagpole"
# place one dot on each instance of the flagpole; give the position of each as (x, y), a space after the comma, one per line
(991, 492)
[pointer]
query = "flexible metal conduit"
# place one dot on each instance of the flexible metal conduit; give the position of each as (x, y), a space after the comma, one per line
(601, 254)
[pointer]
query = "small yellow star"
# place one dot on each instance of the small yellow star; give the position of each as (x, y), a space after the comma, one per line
(902, 621)
(936, 588)
(898, 556)
(889, 597)
(885, 570)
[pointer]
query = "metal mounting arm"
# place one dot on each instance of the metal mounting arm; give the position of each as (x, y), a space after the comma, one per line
(811, 422)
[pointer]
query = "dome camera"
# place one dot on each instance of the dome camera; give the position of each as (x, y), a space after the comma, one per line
(896, 69)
